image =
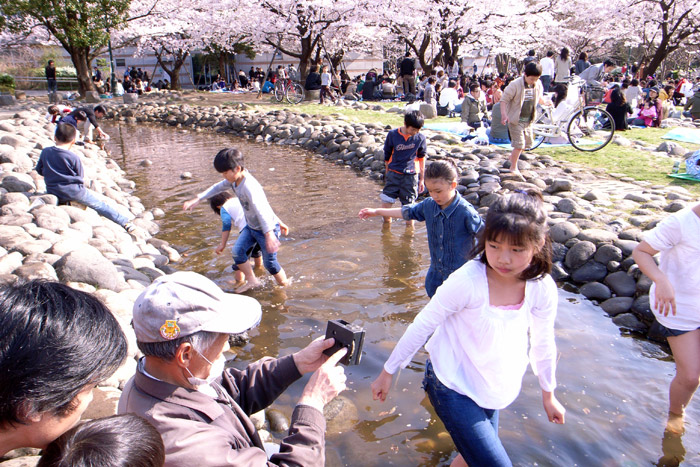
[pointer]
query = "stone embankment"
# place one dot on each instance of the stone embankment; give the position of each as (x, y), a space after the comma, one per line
(596, 219)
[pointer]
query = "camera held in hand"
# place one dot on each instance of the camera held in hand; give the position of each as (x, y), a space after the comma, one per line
(348, 336)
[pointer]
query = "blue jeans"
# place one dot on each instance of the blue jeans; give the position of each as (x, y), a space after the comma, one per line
(473, 429)
(247, 239)
(89, 199)
(546, 82)
(52, 85)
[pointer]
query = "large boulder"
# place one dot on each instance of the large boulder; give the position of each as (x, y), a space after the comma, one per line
(622, 284)
(563, 231)
(428, 111)
(88, 265)
(617, 305)
(579, 254)
(18, 182)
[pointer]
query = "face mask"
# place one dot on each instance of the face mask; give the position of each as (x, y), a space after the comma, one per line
(215, 371)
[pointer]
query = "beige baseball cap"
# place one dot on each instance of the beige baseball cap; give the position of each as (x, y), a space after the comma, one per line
(184, 303)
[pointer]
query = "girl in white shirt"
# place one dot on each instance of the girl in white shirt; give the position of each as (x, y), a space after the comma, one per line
(675, 295)
(480, 318)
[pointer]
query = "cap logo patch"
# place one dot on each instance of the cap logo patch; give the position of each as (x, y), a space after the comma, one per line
(170, 330)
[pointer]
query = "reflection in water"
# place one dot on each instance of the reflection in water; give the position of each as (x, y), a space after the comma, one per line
(672, 447)
(614, 387)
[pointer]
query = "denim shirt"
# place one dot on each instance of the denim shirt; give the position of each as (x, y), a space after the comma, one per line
(451, 233)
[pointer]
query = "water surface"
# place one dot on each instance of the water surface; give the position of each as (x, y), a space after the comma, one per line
(614, 386)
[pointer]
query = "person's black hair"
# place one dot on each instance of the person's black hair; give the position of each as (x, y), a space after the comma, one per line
(668, 88)
(53, 110)
(218, 200)
(583, 56)
(65, 133)
(634, 82)
(442, 170)
(56, 342)
(618, 97)
(432, 80)
(80, 116)
(474, 87)
(408, 55)
(550, 53)
(564, 54)
(100, 109)
(488, 83)
(531, 53)
(119, 440)
(452, 84)
(228, 159)
(533, 69)
(50, 62)
(413, 119)
(560, 92)
(608, 62)
(521, 219)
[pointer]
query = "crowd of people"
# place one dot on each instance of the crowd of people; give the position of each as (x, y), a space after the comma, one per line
(491, 310)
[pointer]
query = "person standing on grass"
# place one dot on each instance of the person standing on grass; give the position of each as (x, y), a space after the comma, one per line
(51, 82)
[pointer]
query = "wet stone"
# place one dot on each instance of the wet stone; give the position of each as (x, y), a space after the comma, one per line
(617, 305)
(595, 291)
(589, 272)
(622, 284)
(579, 253)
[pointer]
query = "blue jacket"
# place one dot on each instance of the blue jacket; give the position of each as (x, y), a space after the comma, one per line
(62, 172)
(401, 151)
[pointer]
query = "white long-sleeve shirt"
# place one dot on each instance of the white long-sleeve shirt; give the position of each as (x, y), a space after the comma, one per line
(479, 350)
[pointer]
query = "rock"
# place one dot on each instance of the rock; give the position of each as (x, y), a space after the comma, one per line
(626, 246)
(563, 231)
(622, 284)
(642, 307)
(6, 100)
(629, 321)
(88, 265)
(560, 184)
(146, 163)
(595, 291)
(643, 285)
(341, 415)
(18, 182)
(579, 254)
(36, 271)
(671, 148)
(130, 97)
(104, 403)
(638, 197)
(674, 206)
(92, 97)
(607, 253)
(558, 272)
(594, 195)
(567, 205)
(589, 272)
(238, 340)
(597, 236)
(10, 262)
(558, 252)
(617, 305)
(28, 461)
(259, 420)
(21, 452)
(186, 175)
(622, 141)
(278, 421)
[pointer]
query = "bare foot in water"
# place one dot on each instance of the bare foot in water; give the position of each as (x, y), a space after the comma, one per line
(675, 423)
(459, 462)
(248, 286)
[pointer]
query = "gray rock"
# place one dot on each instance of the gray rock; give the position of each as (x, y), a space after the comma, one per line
(186, 175)
(88, 265)
(626, 246)
(674, 206)
(629, 321)
(617, 305)
(590, 272)
(558, 252)
(638, 197)
(32, 247)
(597, 236)
(10, 262)
(428, 111)
(341, 415)
(622, 284)
(18, 182)
(642, 307)
(558, 272)
(594, 195)
(130, 97)
(579, 254)
(36, 271)
(27, 461)
(560, 184)
(671, 148)
(567, 205)
(595, 291)
(92, 97)
(607, 253)
(278, 420)
(643, 285)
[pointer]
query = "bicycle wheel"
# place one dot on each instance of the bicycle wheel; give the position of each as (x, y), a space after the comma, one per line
(590, 129)
(541, 128)
(279, 90)
(295, 93)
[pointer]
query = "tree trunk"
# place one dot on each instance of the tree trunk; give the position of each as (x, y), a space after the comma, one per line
(173, 72)
(79, 57)
(660, 54)
(305, 56)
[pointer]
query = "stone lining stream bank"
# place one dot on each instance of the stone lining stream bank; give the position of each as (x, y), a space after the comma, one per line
(596, 219)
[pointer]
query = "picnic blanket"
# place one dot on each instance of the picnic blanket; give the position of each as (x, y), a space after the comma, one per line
(684, 176)
(458, 128)
(686, 135)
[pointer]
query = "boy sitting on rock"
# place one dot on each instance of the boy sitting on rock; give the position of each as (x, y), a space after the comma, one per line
(63, 172)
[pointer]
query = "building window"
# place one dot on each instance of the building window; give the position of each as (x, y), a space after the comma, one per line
(120, 61)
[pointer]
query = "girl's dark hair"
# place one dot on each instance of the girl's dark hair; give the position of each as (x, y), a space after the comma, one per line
(564, 54)
(442, 170)
(617, 97)
(119, 440)
(560, 93)
(521, 219)
(218, 200)
(56, 342)
(635, 82)
(583, 56)
(228, 159)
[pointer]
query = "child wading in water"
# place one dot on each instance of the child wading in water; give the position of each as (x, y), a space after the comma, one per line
(450, 220)
(262, 223)
(480, 319)
(675, 295)
(231, 212)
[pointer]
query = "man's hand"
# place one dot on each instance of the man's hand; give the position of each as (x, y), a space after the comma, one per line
(272, 244)
(190, 204)
(219, 249)
(381, 385)
(326, 383)
(366, 213)
(504, 119)
(311, 357)
(284, 228)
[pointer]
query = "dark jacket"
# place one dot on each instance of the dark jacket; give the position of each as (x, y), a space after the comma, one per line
(313, 82)
(619, 114)
(90, 115)
(50, 72)
(693, 103)
(62, 172)
(200, 431)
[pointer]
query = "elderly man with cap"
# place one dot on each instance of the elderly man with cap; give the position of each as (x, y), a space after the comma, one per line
(182, 323)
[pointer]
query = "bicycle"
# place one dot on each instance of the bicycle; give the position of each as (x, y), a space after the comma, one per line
(587, 126)
(288, 89)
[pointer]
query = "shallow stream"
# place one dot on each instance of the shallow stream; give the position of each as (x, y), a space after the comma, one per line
(614, 386)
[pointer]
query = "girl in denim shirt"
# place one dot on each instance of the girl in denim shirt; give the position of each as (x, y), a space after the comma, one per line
(451, 221)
